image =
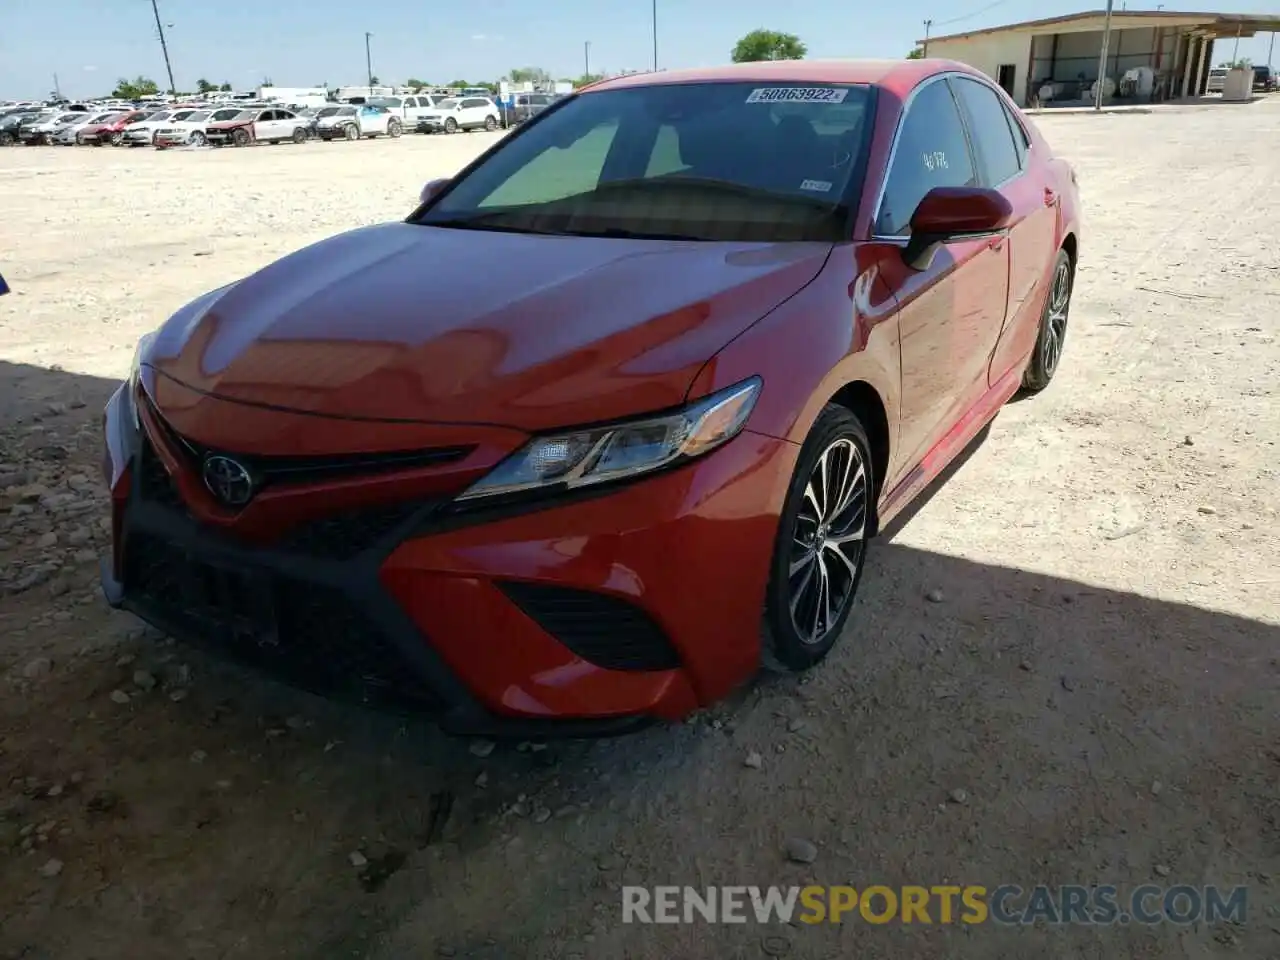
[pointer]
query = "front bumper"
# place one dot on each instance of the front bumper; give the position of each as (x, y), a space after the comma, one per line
(588, 617)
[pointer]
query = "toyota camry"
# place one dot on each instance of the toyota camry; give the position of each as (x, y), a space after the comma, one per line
(607, 422)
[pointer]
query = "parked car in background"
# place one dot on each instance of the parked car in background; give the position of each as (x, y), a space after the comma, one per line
(142, 132)
(190, 130)
(70, 133)
(461, 113)
(409, 110)
(353, 122)
(42, 131)
(269, 125)
(1217, 80)
(1264, 79)
(11, 123)
(528, 105)
(110, 130)
(596, 510)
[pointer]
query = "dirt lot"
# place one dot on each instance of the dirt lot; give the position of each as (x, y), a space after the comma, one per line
(1093, 699)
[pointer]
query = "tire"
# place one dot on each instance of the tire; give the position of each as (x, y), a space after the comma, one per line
(117, 139)
(351, 132)
(795, 641)
(6, 138)
(299, 135)
(394, 129)
(1053, 327)
(197, 139)
(450, 125)
(490, 124)
(240, 137)
(80, 141)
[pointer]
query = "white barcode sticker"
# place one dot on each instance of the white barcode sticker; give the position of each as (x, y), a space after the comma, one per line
(816, 186)
(798, 95)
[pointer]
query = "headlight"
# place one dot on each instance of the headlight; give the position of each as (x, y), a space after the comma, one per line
(600, 454)
(135, 371)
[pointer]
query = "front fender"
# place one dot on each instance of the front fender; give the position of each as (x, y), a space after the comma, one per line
(839, 329)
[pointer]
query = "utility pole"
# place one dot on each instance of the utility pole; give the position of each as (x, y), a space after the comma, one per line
(928, 25)
(655, 36)
(1102, 59)
(1270, 47)
(57, 90)
(586, 58)
(368, 61)
(1235, 51)
(164, 48)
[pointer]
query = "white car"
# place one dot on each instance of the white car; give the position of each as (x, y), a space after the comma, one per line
(355, 121)
(45, 130)
(409, 109)
(461, 113)
(189, 130)
(67, 133)
(260, 125)
(140, 133)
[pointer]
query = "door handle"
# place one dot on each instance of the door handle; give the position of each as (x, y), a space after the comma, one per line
(995, 243)
(1050, 197)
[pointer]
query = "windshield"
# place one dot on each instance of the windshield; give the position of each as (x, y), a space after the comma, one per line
(163, 115)
(246, 115)
(197, 116)
(385, 101)
(448, 104)
(707, 161)
(225, 114)
(328, 111)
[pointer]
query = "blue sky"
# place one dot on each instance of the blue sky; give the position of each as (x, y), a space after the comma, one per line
(91, 43)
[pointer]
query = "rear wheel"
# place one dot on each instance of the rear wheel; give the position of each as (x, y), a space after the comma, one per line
(299, 135)
(351, 132)
(117, 139)
(394, 129)
(1053, 327)
(450, 125)
(490, 124)
(821, 543)
(240, 137)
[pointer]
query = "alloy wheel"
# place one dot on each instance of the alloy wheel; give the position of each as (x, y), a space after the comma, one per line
(828, 540)
(1056, 320)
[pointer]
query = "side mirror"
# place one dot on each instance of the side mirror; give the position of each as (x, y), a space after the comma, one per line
(432, 189)
(953, 213)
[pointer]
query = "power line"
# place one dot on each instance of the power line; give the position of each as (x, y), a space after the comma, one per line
(969, 16)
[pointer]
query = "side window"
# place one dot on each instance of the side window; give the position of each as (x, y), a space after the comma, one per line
(1020, 139)
(989, 126)
(931, 152)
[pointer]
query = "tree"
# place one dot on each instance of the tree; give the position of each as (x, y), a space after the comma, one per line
(225, 88)
(374, 81)
(768, 45)
(204, 86)
(416, 84)
(135, 89)
(587, 78)
(529, 75)
(916, 54)
(457, 84)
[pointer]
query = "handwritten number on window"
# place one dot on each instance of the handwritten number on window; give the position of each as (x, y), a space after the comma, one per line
(937, 160)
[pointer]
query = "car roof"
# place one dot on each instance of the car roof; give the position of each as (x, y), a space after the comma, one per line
(898, 75)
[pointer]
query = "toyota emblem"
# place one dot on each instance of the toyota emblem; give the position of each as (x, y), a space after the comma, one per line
(230, 482)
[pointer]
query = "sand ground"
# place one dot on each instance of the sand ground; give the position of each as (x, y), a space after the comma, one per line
(1096, 698)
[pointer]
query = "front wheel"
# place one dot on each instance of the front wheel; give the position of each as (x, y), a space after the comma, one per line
(6, 138)
(490, 124)
(394, 129)
(351, 132)
(240, 137)
(299, 135)
(821, 543)
(117, 139)
(1053, 327)
(197, 138)
(450, 125)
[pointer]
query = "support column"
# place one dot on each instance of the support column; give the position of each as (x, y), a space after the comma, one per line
(1186, 67)
(1199, 67)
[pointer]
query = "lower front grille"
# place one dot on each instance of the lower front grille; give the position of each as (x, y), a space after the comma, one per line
(602, 629)
(308, 635)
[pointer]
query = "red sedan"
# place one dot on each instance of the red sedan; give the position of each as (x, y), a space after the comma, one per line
(608, 421)
(112, 131)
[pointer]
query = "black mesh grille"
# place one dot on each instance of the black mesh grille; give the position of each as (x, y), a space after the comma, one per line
(344, 535)
(308, 636)
(154, 482)
(601, 629)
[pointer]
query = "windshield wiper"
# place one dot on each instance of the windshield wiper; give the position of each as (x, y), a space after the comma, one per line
(486, 222)
(680, 181)
(618, 233)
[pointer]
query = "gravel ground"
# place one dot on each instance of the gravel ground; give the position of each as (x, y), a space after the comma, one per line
(1064, 668)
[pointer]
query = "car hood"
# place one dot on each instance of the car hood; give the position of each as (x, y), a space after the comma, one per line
(227, 124)
(414, 323)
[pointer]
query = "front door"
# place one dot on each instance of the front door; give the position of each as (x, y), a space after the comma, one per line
(950, 314)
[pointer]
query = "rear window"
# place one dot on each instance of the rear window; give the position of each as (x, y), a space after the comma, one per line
(713, 161)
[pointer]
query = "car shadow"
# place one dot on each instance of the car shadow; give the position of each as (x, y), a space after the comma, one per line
(1014, 732)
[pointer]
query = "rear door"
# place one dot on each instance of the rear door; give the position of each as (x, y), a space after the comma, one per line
(1002, 148)
(263, 127)
(950, 313)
